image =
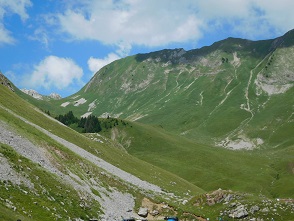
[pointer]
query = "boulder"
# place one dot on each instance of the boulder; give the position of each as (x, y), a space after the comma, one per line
(143, 212)
(254, 209)
(239, 212)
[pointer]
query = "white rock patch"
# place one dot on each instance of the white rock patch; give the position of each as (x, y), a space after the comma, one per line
(242, 142)
(92, 106)
(86, 114)
(273, 89)
(65, 104)
(80, 101)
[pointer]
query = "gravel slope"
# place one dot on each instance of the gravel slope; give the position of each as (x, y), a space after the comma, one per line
(114, 204)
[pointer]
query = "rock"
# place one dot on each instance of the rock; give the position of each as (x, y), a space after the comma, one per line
(185, 202)
(4, 81)
(239, 212)
(154, 212)
(210, 201)
(229, 197)
(265, 210)
(32, 93)
(233, 205)
(143, 212)
(254, 209)
(55, 96)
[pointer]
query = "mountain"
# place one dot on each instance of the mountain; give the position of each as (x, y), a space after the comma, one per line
(36, 95)
(235, 93)
(50, 172)
(208, 134)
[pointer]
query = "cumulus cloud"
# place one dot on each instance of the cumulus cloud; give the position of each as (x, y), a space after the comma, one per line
(157, 23)
(55, 72)
(95, 64)
(11, 7)
(149, 23)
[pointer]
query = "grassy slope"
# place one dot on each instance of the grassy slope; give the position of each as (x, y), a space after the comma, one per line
(195, 111)
(34, 202)
(202, 112)
(261, 171)
(107, 152)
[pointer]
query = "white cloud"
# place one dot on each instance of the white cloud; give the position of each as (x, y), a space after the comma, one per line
(5, 37)
(158, 23)
(95, 64)
(41, 36)
(11, 7)
(149, 23)
(54, 72)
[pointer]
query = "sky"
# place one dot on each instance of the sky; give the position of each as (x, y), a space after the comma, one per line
(58, 45)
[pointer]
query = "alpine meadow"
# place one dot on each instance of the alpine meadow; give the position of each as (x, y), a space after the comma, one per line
(204, 134)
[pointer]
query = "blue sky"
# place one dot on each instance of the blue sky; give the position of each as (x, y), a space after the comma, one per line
(58, 45)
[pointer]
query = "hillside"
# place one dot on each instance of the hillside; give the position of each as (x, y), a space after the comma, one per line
(49, 171)
(216, 117)
(235, 93)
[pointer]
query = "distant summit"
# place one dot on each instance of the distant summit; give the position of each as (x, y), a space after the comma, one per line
(38, 96)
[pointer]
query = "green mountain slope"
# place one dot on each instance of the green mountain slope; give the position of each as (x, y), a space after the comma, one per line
(216, 117)
(50, 172)
(235, 93)
(210, 167)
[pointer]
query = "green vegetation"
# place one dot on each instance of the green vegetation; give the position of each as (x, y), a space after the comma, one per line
(174, 118)
(209, 167)
(89, 124)
(48, 198)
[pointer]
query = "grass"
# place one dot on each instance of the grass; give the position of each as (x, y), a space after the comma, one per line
(181, 114)
(107, 152)
(49, 196)
(169, 101)
(209, 167)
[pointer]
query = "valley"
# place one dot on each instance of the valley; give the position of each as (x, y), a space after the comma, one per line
(203, 133)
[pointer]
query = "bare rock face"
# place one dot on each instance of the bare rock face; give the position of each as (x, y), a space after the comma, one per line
(33, 93)
(4, 81)
(38, 96)
(55, 96)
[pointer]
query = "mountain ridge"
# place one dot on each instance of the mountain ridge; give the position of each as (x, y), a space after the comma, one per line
(160, 77)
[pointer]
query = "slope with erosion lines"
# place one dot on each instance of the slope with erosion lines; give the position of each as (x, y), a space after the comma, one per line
(229, 80)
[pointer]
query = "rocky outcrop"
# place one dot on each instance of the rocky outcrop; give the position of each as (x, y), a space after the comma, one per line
(236, 205)
(55, 96)
(4, 81)
(38, 96)
(32, 93)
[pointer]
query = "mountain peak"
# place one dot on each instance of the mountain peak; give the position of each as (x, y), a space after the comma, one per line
(36, 95)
